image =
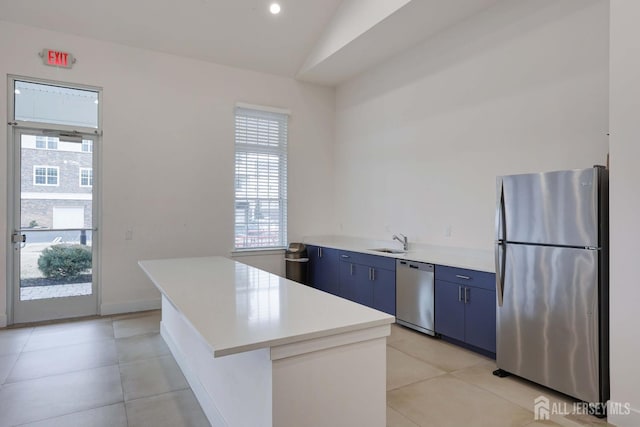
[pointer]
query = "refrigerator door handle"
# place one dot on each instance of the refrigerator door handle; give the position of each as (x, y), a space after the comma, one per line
(501, 226)
(500, 261)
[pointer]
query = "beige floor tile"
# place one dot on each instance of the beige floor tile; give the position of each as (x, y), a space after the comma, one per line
(59, 360)
(438, 353)
(6, 364)
(545, 423)
(60, 335)
(151, 377)
(57, 395)
(403, 369)
(399, 332)
(105, 416)
(512, 388)
(175, 409)
(587, 420)
(396, 419)
(129, 327)
(140, 347)
(12, 341)
(448, 401)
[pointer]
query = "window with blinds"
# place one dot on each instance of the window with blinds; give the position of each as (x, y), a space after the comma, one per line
(260, 179)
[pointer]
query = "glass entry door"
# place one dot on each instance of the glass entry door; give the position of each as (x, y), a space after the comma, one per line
(54, 235)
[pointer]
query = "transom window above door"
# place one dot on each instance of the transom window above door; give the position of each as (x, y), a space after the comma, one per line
(46, 103)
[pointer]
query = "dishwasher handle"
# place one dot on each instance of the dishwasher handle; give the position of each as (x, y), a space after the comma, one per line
(422, 266)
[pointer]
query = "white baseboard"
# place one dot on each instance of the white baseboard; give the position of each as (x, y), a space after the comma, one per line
(625, 420)
(3, 320)
(129, 306)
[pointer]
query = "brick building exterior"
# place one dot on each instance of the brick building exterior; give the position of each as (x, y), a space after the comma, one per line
(56, 183)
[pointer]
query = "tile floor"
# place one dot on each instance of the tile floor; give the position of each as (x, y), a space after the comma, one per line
(117, 371)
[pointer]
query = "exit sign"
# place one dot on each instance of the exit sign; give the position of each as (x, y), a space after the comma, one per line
(57, 58)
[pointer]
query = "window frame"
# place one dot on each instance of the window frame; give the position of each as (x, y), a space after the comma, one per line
(47, 142)
(89, 146)
(245, 146)
(46, 175)
(89, 177)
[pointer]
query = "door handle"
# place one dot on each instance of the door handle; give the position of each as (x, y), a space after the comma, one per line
(18, 238)
(500, 254)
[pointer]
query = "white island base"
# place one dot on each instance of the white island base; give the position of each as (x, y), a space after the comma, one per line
(337, 380)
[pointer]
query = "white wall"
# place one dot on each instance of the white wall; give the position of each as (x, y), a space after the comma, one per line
(625, 207)
(167, 156)
(521, 87)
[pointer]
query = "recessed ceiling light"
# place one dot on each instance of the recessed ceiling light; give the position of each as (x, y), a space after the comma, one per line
(274, 8)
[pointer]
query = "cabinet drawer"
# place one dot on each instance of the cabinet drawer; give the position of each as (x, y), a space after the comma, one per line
(385, 263)
(463, 276)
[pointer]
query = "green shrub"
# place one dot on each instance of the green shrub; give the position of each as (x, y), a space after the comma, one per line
(64, 261)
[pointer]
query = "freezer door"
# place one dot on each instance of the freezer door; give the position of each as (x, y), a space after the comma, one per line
(555, 208)
(547, 326)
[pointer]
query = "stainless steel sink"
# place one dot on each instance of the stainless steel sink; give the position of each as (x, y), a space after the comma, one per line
(389, 250)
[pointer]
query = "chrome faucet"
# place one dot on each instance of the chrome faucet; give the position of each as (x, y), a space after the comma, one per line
(404, 241)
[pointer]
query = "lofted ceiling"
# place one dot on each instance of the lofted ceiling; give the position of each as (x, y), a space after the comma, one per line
(323, 41)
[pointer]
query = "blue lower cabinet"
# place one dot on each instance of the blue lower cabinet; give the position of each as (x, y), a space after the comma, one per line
(480, 318)
(323, 268)
(347, 280)
(449, 310)
(363, 281)
(465, 307)
(384, 290)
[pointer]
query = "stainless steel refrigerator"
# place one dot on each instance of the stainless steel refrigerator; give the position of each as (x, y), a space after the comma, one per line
(552, 280)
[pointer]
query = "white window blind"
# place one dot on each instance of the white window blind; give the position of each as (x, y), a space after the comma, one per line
(260, 179)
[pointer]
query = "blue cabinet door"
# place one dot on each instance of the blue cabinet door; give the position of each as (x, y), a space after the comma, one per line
(347, 279)
(364, 285)
(449, 310)
(323, 268)
(312, 252)
(480, 318)
(384, 291)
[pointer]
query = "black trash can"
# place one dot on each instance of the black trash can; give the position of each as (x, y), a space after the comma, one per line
(297, 262)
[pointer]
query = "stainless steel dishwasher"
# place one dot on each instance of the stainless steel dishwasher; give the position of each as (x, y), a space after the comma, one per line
(414, 295)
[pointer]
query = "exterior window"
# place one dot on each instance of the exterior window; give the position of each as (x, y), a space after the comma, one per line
(86, 177)
(87, 146)
(47, 142)
(260, 179)
(45, 175)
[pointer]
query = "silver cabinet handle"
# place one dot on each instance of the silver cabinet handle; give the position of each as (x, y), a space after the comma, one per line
(369, 273)
(467, 293)
(319, 252)
(460, 293)
(373, 274)
(351, 269)
(460, 276)
(345, 256)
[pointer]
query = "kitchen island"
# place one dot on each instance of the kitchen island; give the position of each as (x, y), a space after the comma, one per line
(261, 350)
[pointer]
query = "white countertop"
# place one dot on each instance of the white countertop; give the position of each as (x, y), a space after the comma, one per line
(473, 259)
(238, 308)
